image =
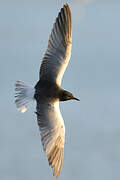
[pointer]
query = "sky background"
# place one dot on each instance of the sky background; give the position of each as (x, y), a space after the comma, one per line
(92, 148)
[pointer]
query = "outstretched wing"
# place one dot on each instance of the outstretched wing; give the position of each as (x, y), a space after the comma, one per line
(58, 52)
(52, 130)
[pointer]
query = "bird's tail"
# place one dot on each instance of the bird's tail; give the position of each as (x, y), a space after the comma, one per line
(24, 94)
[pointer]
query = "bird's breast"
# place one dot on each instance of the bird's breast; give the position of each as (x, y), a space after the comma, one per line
(46, 91)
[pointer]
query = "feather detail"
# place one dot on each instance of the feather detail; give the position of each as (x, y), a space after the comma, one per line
(24, 94)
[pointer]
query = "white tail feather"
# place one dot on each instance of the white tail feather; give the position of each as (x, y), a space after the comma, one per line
(24, 93)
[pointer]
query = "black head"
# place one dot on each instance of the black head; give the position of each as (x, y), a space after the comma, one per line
(65, 95)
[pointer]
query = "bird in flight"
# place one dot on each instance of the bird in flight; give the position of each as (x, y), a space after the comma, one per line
(47, 92)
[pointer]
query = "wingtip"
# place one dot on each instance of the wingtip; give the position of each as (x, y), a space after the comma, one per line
(66, 5)
(67, 8)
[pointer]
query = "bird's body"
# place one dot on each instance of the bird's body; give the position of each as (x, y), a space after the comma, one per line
(47, 92)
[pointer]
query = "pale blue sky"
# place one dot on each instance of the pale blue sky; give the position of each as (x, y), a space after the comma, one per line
(92, 149)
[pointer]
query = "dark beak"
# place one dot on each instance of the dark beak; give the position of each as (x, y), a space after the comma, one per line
(76, 99)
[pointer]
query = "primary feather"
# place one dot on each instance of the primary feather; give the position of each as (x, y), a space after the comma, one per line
(58, 52)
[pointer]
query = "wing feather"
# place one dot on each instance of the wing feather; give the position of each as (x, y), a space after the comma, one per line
(52, 131)
(58, 52)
